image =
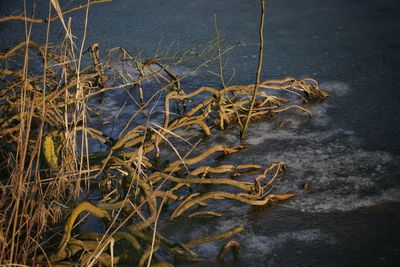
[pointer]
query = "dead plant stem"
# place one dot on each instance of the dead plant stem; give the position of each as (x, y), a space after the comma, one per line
(260, 60)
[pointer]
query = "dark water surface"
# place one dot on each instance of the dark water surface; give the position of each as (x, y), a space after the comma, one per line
(349, 151)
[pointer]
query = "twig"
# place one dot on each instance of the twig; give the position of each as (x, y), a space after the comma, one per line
(260, 58)
(55, 17)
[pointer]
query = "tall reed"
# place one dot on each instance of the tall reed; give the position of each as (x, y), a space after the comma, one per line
(47, 144)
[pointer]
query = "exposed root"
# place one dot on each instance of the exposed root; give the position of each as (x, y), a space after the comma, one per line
(219, 236)
(45, 121)
(228, 245)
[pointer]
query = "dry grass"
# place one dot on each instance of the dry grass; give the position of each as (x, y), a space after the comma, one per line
(46, 134)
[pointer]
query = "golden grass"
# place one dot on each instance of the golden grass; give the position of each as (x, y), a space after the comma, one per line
(45, 135)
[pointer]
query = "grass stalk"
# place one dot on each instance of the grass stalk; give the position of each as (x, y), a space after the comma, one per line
(258, 74)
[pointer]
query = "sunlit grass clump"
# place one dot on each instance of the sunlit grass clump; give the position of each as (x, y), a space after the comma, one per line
(51, 150)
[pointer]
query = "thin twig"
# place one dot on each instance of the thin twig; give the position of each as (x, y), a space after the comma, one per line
(55, 17)
(260, 59)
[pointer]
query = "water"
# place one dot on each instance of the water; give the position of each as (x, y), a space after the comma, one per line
(349, 151)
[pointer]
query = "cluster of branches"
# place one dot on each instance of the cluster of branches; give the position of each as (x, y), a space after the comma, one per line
(45, 132)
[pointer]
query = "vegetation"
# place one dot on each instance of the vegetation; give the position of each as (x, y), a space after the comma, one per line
(53, 172)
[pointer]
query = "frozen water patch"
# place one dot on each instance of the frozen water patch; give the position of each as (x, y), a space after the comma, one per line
(343, 176)
(336, 87)
(262, 245)
(320, 114)
(130, 71)
(108, 108)
(182, 71)
(294, 127)
(124, 102)
(346, 202)
(287, 134)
